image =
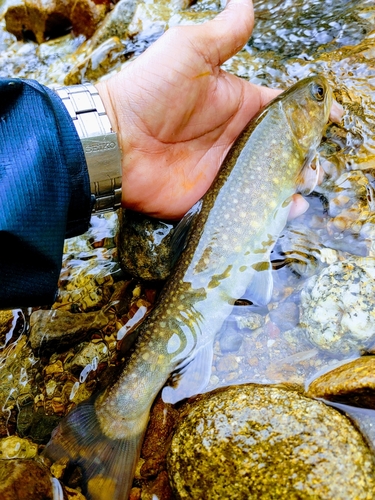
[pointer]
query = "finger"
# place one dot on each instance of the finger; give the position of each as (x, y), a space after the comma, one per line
(337, 112)
(266, 94)
(227, 33)
(299, 206)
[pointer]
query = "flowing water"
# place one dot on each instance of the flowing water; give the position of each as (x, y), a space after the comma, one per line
(336, 236)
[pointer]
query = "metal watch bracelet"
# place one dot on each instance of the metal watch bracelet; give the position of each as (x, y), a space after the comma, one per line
(102, 152)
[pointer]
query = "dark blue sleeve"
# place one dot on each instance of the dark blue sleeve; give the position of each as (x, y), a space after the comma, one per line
(44, 191)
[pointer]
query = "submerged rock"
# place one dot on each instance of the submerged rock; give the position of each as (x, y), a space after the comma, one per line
(338, 307)
(41, 21)
(13, 447)
(257, 442)
(57, 329)
(21, 479)
(352, 383)
(144, 246)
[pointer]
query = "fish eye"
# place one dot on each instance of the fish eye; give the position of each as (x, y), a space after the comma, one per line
(317, 91)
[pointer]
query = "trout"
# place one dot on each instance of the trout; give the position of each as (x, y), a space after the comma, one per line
(227, 252)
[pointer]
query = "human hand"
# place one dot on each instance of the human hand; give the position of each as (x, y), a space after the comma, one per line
(177, 113)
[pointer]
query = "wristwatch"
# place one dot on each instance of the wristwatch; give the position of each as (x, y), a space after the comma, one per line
(102, 152)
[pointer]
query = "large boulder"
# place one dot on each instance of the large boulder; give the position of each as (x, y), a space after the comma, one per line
(260, 442)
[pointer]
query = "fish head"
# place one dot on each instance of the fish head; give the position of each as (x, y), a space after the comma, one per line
(306, 107)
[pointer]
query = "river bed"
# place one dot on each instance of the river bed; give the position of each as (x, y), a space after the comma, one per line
(319, 318)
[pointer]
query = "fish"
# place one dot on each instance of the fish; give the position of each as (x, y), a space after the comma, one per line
(226, 253)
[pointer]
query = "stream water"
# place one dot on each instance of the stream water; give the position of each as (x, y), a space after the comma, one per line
(320, 317)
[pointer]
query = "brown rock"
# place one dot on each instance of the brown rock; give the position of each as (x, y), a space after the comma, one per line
(21, 479)
(40, 21)
(159, 488)
(135, 494)
(352, 383)
(73, 494)
(6, 320)
(58, 328)
(144, 246)
(162, 423)
(262, 442)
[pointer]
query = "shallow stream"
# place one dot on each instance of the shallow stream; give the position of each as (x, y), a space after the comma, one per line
(322, 312)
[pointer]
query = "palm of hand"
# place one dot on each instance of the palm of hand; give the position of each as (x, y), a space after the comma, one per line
(178, 113)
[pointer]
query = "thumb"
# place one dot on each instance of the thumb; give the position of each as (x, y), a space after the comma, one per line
(227, 33)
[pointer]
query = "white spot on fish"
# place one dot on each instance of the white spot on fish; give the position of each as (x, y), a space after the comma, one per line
(173, 344)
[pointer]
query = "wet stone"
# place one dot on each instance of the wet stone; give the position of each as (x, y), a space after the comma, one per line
(12, 325)
(337, 307)
(25, 404)
(230, 340)
(227, 363)
(144, 246)
(24, 479)
(97, 63)
(6, 320)
(89, 355)
(151, 19)
(351, 200)
(59, 329)
(73, 494)
(15, 447)
(257, 442)
(115, 24)
(41, 426)
(285, 316)
(162, 423)
(87, 277)
(245, 318)
(158, 488)
(17, 376)
(352, 383)
(41, 21)
(151, 477)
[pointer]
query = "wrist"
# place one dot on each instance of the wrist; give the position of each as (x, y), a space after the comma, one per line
(99, 141)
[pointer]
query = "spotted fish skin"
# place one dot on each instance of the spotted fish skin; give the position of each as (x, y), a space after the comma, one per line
(227, 250)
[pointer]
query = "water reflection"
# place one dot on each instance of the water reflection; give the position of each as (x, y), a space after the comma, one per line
(303, 28)
(291, 40)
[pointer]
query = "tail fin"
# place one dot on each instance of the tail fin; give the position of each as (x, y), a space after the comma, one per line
(107, 464)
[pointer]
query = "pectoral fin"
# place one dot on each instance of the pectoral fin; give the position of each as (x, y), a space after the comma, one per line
(192, 378)
(261, 286)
